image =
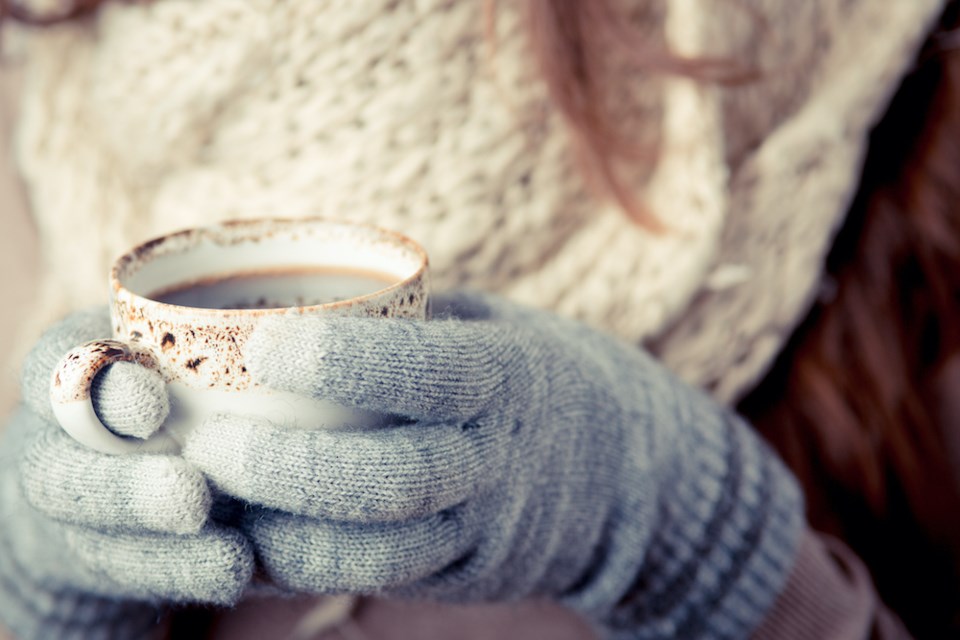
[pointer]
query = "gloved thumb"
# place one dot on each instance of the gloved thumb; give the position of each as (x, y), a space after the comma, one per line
(130, 400)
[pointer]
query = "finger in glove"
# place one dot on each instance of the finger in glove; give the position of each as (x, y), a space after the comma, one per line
(365, 475)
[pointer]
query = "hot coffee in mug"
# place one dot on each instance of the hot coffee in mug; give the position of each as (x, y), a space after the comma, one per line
(280, 287)
(186, 304)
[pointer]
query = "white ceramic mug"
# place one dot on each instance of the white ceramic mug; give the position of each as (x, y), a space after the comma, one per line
(185, 305)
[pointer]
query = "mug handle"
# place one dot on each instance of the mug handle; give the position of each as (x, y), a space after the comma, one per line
(72, 405)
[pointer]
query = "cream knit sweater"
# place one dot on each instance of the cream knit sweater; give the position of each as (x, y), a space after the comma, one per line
(160, 115)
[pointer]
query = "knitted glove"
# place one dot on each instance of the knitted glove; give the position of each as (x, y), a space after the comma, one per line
(92, 545)
(529, 456)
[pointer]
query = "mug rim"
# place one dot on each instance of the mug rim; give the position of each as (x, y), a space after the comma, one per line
(146, 250)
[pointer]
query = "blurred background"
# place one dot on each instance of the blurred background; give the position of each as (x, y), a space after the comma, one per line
(18, 245)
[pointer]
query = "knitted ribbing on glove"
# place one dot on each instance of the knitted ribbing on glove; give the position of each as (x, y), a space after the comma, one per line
(172, 113)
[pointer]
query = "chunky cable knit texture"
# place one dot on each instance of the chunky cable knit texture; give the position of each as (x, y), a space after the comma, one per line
(535, 457)
(172, 113)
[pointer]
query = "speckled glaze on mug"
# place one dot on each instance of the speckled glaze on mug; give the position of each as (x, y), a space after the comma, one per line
(200, 351)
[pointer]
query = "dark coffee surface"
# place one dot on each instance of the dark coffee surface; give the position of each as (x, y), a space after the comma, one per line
(280, 287)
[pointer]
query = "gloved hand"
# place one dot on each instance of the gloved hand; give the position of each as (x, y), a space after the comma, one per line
(92, 545)
(529, 456)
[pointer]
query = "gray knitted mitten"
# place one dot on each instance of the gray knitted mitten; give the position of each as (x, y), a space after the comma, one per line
(92, 545)
(530, 456)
